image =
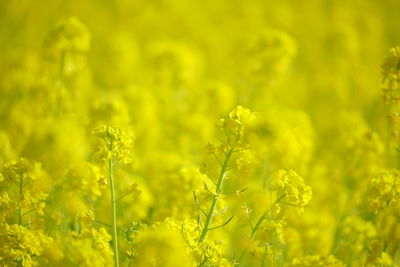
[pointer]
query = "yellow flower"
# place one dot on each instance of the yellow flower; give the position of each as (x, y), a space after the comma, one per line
(116, 144)
(271, 231)
(294, 190)
(356, 235)
(86, 218)
(234, 129)
(69, 36)
(316, 260)
(162, 246)
(19, 190)
(86, 179)
(391, 70)
(270, 55)
(385, 190)
(90, 248)
(22, 168)
(20, 246)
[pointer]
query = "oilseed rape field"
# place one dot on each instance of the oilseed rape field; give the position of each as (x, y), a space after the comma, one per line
(213, 133)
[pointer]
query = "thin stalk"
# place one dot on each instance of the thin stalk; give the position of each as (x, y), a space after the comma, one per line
(264, 256)
(21, 183)
(253, 234)
(203, 262)
(113, 213)
(255, 229)
(216, 196)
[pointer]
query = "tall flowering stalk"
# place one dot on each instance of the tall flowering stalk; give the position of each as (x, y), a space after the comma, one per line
(115, 148)
(234, 132)
(19, 194)
(290, 190)
(22, 242)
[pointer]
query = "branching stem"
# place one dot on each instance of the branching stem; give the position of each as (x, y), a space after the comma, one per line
(255, 229)
(252, 235)
(218, 192)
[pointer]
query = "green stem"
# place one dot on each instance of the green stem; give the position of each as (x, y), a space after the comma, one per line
(113, 213)
(203, 262)
(216, 196)
(253, 234)
(21, 183)
(264, 256)
(255, 229)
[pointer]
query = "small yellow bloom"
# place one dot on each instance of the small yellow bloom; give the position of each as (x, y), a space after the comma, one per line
(117, 144)
(295, 191)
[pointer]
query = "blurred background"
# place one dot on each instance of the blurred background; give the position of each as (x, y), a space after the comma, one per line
(167, 70)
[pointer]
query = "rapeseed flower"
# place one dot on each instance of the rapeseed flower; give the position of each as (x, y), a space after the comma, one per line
(259, 135)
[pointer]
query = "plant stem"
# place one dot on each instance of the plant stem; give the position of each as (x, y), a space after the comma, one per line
(203, 262)
(255, 229)
(21, 183)
(253, 234)
(264, 256)
(113, 213)
(216, 196)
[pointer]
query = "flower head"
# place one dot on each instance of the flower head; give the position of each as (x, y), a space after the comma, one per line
(19, 187)
(295, 192)
(21, 246)
(385, 190)
(69, 36)
(316, 260)
(116, 144)
(90, 248)
(86, 179)
(236, 127)
(391, 76)
(22, 168)
(270, 54)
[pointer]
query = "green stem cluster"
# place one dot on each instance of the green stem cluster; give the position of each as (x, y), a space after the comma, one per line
(217, 194)
(255, 229)
(252, 235)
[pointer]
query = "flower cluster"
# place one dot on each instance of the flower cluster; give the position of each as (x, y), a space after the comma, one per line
(385, 190)
(391, 76)
(90, 247)
(20, 193)
(270, 54)
(20, 246)
(86, 179)
(316, 260)
(235, 129)
(292, 186)
(157, 246)
(356, 234)
(69, 38)
(116, 144)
